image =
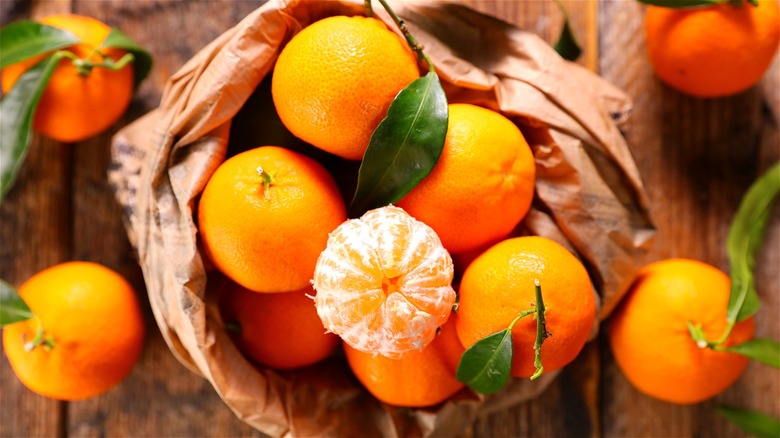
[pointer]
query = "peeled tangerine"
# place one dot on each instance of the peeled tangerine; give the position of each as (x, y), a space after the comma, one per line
(384, 283)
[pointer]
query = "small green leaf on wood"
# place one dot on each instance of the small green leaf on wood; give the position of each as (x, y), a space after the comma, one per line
(485, 366)
(745, 238)
(764, 350)
(567, 46)
(26, 39)
(12, 307)
(755, 423)
(142, 62)
(404, 147)
(16, 113)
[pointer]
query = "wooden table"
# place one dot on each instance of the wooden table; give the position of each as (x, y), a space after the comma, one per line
(696, 158)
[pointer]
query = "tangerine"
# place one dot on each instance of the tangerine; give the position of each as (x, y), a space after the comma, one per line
(418, 378)
(384, 283)
(334, 81)
(649, 336)
(77, 105)
(92, 331)
(712, 51)
(265, 215)
(279, 330)
(499, 284)
(482, 185)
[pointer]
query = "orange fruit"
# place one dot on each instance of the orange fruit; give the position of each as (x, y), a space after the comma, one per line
(264, 235)
(334, 81)
(715, 50)
(280, 330)
(73, 106)
(648, 332)
(384, 283)
(499, 284)
(92, 316)
(418, 378)
(483, 184)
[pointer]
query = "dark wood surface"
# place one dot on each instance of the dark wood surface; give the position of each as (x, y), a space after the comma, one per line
(696, 158)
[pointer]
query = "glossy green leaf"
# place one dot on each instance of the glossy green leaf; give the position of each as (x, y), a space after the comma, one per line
(12, 307)
(25, 39)
(404, 147)
(746, 236)
(764, 350)
(142, 62)
(755, 423)
(567, 46)
(16, 113)
(485, 366)
(683, 3)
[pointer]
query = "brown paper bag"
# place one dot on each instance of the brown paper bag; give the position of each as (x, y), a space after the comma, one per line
(588, 197)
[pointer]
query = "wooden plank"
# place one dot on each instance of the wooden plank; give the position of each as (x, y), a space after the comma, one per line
(697, 157)
(160, 397)
(35, 235)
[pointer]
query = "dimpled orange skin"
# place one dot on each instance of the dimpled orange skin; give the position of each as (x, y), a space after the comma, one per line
(419, 378)
(334, 81)
(650, 340)
(269, 241)
(75, 107)
(482, 185)
(280, 330)
(95, 319)
(499, 284)
(712, 51)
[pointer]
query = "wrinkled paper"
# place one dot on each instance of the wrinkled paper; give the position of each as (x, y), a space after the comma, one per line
(588, 196)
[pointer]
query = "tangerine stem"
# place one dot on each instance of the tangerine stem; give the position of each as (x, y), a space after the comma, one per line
(84, 66)
(410, 39)
(541, 330)
(40, 339)
(267, 181)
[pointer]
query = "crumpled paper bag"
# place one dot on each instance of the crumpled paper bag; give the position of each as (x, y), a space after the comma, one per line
(588, 196)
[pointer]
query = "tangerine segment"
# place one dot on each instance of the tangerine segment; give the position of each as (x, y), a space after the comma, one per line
(384, 283)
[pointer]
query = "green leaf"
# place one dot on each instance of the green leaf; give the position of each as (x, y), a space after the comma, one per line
(764, 350)
(746, 236)
(754, 423)
(485, 366)
(12, 307)
(678, 4)
(26, 39)
(142, 63)
(567, 45)
(16, 113)
(404, 147)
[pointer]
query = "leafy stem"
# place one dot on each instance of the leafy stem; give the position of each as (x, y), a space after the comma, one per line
(410, 39)
(40, 339)
(541, 330)
(84, 66)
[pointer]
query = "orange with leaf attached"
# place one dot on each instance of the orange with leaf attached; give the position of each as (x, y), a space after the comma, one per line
(651, 342)
(499, 285)
(77, 104)
(86, 336)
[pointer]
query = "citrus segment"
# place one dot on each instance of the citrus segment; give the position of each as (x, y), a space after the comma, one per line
(384, 283)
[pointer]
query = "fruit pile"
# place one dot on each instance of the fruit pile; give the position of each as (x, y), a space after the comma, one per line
(274, 222)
